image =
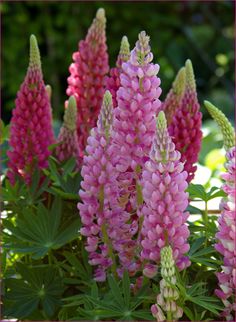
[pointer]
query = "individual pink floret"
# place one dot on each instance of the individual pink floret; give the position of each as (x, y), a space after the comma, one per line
(31, 131)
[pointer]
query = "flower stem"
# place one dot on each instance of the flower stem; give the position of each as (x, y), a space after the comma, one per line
(107, 242)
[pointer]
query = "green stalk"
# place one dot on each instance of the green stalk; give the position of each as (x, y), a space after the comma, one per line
(50, 258)
(107, 241)
(205, 220)
(169, 316)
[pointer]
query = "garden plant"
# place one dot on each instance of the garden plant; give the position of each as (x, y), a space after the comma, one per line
(103, 221)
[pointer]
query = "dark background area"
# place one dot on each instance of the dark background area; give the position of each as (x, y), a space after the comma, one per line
(201, 31)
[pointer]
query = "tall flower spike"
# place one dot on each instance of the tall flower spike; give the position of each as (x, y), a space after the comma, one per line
(133, 132)
(166, 300)
(87, 77)
(224, 124)
(175, 95)
(67, 137)
(100, 214)
(185, 127)
(164, 184)
(31, 124)
(113, 81)
(226, 238)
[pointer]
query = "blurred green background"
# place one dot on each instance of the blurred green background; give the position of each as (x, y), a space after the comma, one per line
(201, 31)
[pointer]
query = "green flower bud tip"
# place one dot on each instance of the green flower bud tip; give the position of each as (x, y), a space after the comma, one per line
(70, 114)
(49, 91)
(124, 49)
(161, 121)
(100, 15)
(190, 79)
(106, 112)
(34, 61)
(224, 124)
(179, 82)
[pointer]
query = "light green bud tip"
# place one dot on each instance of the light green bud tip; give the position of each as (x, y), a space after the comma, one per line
(124, 49)
(49, 91)
(70, 114)
(179, 82)
(34, 61)
(100, 15)
(224, 124)
(190, 79)
(161, 121)
(106, 112)
(143, 48)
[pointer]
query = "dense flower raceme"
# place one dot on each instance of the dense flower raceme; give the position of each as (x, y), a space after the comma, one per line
(185, 127)
(100, 213)
(226, 237)
(164, 184)
(31, 124)
(113, 81)
(87, 77)
(166, 300)
(133, 132)
(67, 138)
(174, 97)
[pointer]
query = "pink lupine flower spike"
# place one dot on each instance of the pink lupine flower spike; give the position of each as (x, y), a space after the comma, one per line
(164, 184)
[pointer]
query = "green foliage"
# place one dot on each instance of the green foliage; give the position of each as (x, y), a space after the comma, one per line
(37, 232)
(37, 287)
(197, 191)
(118, 302)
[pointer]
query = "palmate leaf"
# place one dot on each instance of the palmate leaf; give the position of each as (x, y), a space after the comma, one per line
(65, 181)
(38, 287)
(197, 191)
(38, 233)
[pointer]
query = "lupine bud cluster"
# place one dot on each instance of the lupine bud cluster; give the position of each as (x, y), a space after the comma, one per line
(87, 77)
(113, 81)
(185, 127)
(31, 125)
(164, 184)
(224, 124)
(166, 307)
(226, 237)
(67, 138)
(174, 97)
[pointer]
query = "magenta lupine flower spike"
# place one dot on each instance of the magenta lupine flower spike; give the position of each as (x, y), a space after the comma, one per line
(133, 132)
(174, 97)
(31, 124)
(164, 184)
(113, 81)
(166, 300)
(67, 137)
(224, 124)
(99, 210)
(185, 127)
(87, 77)
(226, 237)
